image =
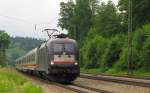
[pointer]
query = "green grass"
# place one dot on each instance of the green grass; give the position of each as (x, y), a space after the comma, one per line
(30, 88)
(139, 73)
(12, 82)
(90, 71)
(142, 73)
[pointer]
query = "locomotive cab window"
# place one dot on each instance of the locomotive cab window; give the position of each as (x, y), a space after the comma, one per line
(58, 48)
(69, 48)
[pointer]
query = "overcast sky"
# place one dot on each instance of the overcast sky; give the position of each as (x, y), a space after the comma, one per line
(18, 17)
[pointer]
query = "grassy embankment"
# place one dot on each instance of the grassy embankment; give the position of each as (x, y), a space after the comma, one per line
(139, 73)
(12, 82)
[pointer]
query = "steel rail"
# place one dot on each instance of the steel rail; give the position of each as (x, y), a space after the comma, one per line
(93, 89)
(122, 80)
(133, 77)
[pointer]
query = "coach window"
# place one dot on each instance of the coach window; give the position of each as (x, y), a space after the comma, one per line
(26, 59)
(33, 57)
(30, 58)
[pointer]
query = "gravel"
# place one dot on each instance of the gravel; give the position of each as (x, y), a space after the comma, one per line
(112, 87)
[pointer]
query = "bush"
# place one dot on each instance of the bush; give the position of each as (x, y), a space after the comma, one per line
(145, 56)
(122, 63)
(140, 51)
(141, 43)
(112, 53)
(92, 52)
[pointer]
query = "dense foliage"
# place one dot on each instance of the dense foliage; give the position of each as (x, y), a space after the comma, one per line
(101, 31)
(19, 46)
(4, 42)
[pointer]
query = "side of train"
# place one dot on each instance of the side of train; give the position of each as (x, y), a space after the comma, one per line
(56, 58)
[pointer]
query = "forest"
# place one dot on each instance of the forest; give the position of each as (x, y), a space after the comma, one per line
(12, 48)
(101, 30)
(19, 46)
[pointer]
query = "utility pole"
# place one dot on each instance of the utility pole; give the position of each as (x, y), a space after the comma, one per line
(130, 70)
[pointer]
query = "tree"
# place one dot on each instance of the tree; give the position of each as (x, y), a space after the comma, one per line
(77, 18)
(4, 42)
(107, 20)
(67, 17)
(141, 12)
(83, 14)
(4, 39)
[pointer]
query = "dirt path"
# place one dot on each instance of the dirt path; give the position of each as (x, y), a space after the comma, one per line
(46, 87)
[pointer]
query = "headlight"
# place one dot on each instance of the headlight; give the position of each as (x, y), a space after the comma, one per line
(52, 63)
(76, 63)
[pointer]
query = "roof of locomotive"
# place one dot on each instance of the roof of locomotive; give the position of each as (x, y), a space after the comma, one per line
(61, 40)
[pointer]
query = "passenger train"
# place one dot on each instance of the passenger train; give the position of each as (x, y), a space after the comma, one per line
(56, 59)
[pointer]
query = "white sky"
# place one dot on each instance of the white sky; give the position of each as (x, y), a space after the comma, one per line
(17, 17)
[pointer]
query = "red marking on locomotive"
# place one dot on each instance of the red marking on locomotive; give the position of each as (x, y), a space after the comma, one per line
(63, 62)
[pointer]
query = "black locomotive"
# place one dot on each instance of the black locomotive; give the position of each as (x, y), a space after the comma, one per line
(57, 59)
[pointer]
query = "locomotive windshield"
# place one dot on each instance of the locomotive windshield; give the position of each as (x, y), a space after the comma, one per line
(69, 48)
(60, 48)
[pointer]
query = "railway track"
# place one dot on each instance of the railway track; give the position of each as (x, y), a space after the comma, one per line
(81, 89)
(77, 88)
(73, 87)
(93, 89)
(123, 80)
(134, 77)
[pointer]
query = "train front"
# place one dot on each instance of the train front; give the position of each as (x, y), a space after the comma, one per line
(64, 59)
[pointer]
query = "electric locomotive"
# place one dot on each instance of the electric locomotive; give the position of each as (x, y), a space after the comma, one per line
(56, 59)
